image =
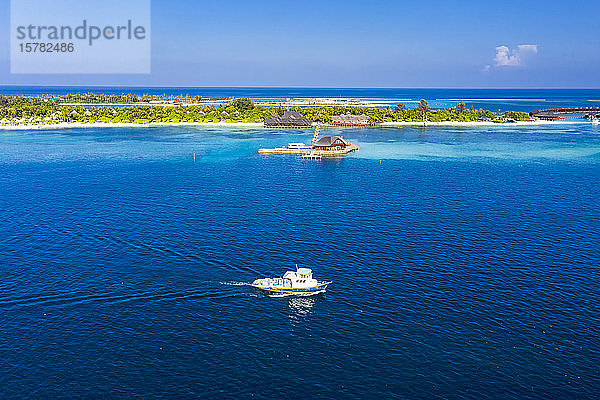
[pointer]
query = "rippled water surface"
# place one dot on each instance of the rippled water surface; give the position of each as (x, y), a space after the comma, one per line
(465, 264)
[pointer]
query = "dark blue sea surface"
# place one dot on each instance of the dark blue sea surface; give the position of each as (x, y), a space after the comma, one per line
(464, 260)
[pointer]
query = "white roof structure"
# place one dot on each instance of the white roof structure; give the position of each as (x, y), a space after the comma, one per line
(362, 119)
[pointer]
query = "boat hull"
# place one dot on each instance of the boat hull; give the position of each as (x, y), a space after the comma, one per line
(314, 289)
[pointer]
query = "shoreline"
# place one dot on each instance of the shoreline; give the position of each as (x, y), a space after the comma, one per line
(482, 123)
(74, 125)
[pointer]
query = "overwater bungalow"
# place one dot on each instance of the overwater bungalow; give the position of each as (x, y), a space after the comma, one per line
(330, 143)
(290, 119)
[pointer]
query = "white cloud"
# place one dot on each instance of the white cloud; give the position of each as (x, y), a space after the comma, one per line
(516, 58)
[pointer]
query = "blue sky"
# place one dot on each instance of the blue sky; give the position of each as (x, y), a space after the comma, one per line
(358, 44)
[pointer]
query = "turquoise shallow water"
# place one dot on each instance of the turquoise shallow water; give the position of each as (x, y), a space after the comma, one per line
(555, 142)
(464, 260)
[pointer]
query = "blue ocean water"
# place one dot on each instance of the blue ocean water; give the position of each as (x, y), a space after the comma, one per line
(464, 260)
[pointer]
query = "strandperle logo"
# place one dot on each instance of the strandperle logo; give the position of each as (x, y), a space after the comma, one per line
(85, 31)
(71, 36)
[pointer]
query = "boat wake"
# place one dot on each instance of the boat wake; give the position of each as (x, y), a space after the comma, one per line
(77, 299)
(233, 283)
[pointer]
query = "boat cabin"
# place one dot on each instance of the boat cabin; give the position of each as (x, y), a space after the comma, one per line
(298, 146)
(300, 277)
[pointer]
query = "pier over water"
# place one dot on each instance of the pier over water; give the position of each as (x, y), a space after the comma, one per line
(553, 113)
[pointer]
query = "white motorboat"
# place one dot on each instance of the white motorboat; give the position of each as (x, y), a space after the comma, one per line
(300, 281)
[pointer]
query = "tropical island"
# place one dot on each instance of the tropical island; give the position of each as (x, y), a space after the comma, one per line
(27, 112)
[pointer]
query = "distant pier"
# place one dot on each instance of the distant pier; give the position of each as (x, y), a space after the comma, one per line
(551, 114)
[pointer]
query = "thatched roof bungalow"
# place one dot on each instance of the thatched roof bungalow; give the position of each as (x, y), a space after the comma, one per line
(330, 143)
(290, 119)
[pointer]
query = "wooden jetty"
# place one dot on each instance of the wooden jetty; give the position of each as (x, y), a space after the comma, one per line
(324, 153)
(552, 114)
(312, 156)
(326, 146)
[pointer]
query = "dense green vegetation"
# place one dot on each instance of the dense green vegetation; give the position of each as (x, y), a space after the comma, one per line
(128, 98)
(44, 110)
(517, 116)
